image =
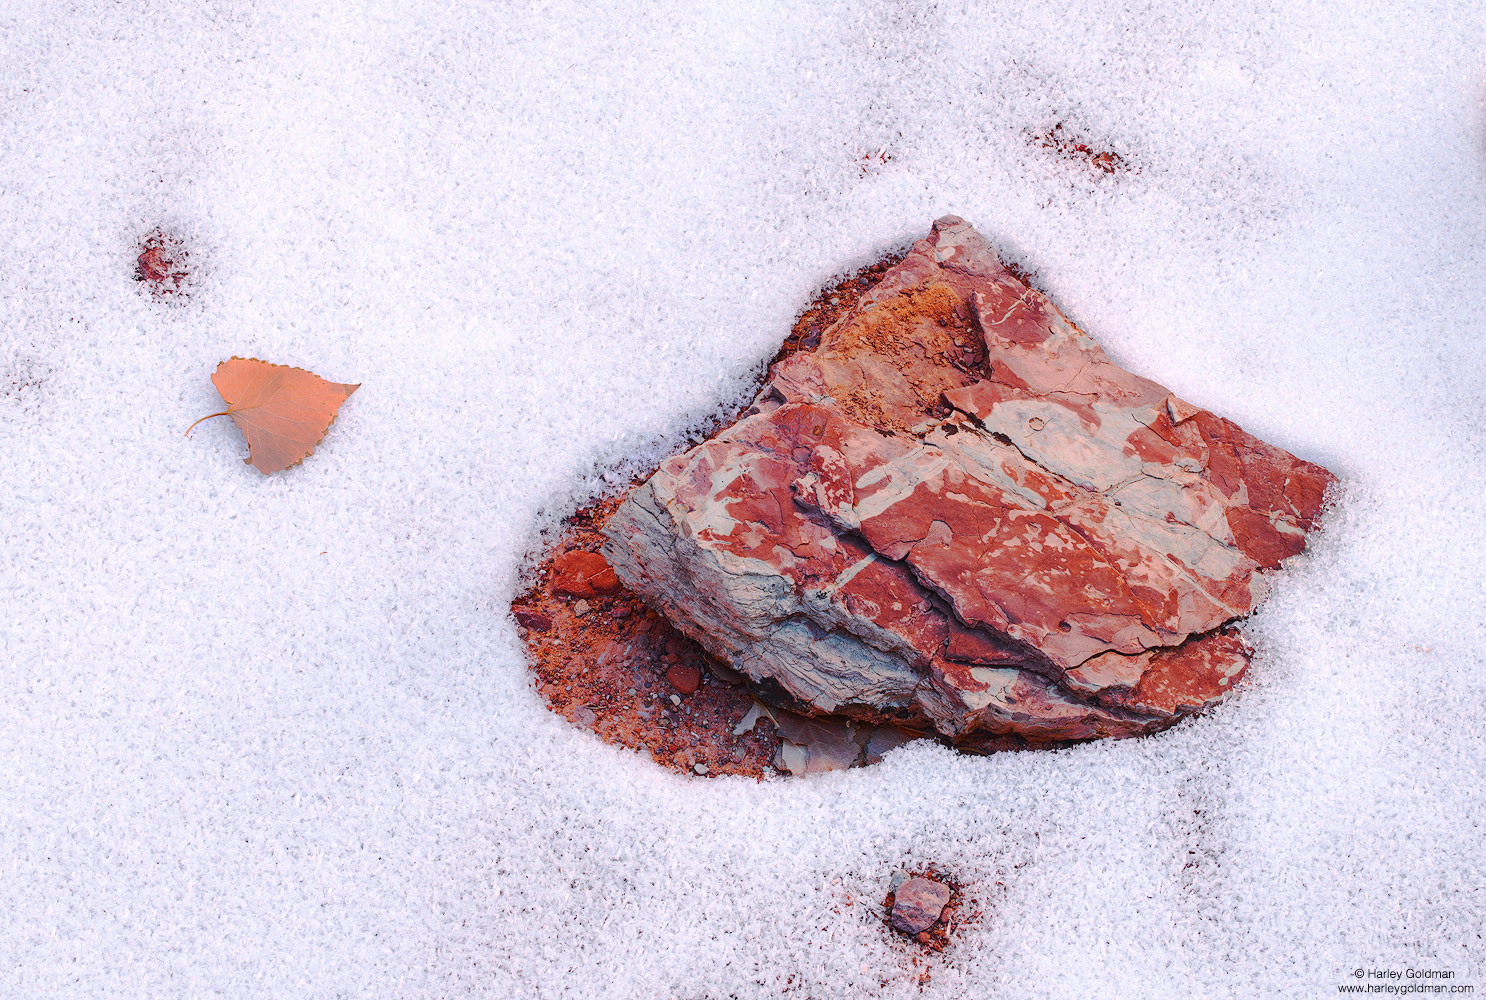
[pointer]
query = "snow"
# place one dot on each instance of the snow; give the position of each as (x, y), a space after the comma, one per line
(275, 737)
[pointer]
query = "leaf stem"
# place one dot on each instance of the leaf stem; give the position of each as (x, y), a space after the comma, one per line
(224, 413)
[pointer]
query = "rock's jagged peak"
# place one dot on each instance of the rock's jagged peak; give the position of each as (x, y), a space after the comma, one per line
(957, 513)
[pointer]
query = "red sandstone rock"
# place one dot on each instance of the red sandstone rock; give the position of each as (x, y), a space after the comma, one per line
(684, 677)
(583, 574)
(917, 904)
(956, 513)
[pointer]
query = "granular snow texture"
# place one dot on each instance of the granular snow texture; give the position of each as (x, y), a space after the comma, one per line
(274, 736)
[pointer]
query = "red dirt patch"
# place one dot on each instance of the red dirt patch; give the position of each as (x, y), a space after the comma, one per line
(611, 670)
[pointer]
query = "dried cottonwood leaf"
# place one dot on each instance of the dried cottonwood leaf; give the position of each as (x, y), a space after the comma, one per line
(282, 411)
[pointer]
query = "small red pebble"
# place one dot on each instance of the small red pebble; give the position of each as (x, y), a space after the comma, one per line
(684, 678)
(534, 620)
(153, 265)
(582, 574)
(162, 263)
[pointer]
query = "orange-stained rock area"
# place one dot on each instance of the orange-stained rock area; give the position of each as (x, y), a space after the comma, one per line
(615, 668)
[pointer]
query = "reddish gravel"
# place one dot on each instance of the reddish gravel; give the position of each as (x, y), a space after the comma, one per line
(1072, 146)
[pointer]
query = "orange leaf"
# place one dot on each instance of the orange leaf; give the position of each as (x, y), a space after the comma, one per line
(282, 411)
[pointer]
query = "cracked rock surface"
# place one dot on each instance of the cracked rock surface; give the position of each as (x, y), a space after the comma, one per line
(957, 514)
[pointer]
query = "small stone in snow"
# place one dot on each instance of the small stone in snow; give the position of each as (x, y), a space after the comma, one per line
(918, 903)
(699, 768)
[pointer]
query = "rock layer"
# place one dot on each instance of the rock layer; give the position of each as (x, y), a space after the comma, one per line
(956, 513)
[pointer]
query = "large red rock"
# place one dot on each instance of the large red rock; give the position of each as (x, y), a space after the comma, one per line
(956, 513)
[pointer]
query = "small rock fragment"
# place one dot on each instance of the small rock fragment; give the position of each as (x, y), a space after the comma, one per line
(585, 716)
(755, 712)
(583, 574)
(533, 620)
(699, 768)
(824, 744)
(918, 904)
(581, 608)
(684, 677)
(162, 264)
(153, 266)
(793, 758)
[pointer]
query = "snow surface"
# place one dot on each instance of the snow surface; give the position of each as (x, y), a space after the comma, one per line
(275, 736)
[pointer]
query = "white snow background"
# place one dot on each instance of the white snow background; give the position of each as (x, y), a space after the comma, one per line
(275, 736)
